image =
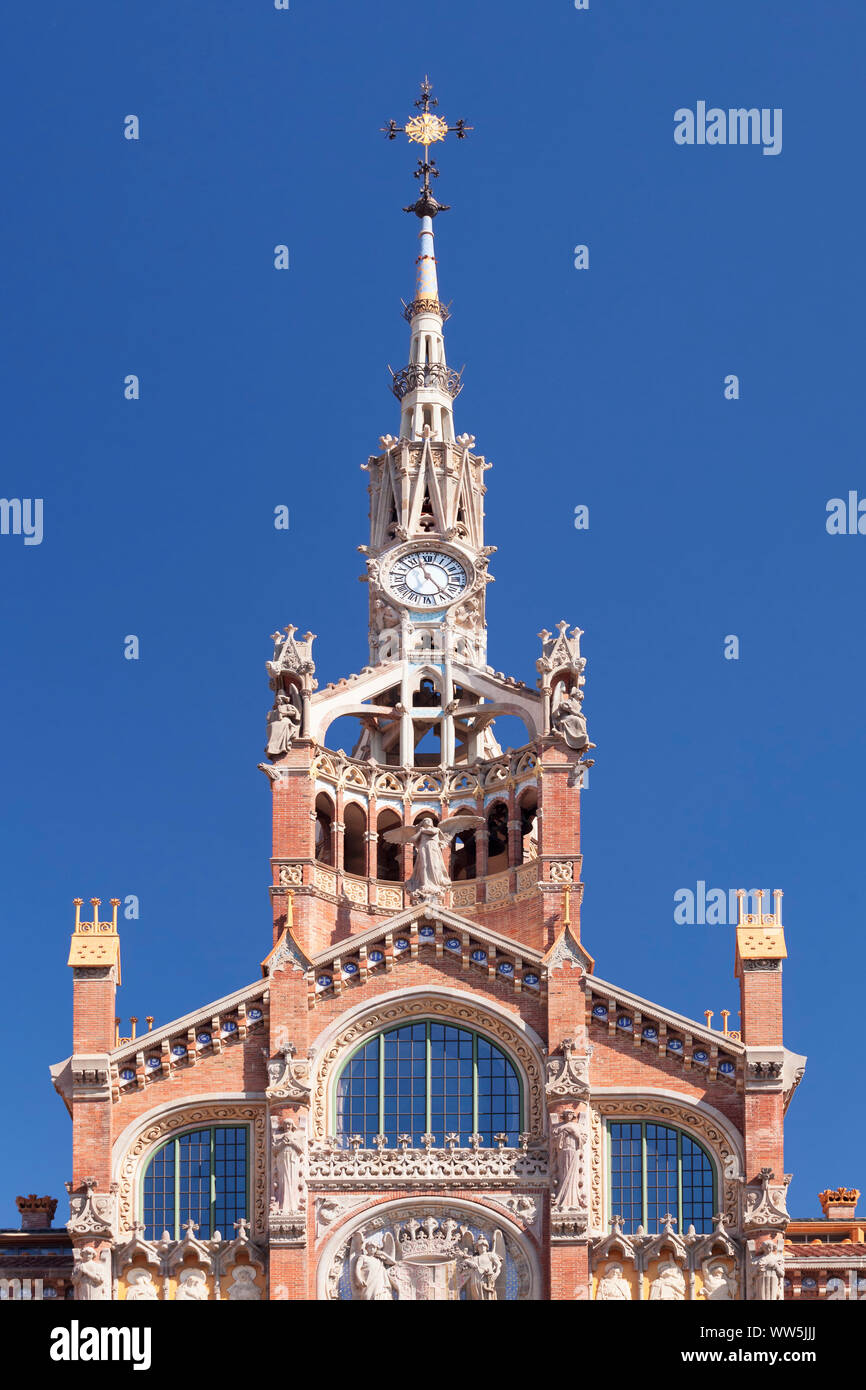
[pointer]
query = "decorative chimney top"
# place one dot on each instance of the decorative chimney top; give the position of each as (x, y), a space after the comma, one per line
(839, 1203)
(37, 1213)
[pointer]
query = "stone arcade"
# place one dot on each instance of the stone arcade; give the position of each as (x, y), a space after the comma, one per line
(427, 1092)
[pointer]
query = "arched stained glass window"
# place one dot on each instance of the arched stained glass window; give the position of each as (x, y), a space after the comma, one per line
(656, 1171)
(199, 1176)
(428, 1078)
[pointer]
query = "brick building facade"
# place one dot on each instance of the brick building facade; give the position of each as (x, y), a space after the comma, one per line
(427, 1091)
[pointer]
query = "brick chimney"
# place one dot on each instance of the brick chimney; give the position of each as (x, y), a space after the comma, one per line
(37, 1213)
(839, 1203)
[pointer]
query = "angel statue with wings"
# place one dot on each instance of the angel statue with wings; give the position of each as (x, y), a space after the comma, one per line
(429, 878)
(371, 1267)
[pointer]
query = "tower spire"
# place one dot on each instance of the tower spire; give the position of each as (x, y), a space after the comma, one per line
(427, 386)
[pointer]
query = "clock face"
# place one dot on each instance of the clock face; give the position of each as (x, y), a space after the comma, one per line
(427, 578)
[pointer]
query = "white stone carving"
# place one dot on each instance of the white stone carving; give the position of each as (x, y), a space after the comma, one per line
(192, 1287)
(92, 1213)
(243, 1286)
(329, 1166)
(426, 1256)
(569, 721)
(669, 1285)
(429, 879)
(140, 1286)
(764, 1204)
(523, 1207)
(288, 1076)
(767, 1270)
(570, 1138)
(720, 1283)
(371, 1279)
(613, 1286)
(568, 1075)
(483, 1269)
(284, 721)
(91, 1275)
(288, 1151)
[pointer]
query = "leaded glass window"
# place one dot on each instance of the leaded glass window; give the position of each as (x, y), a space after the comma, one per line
(428, 1078)
(199, 1176)
(655, 1170)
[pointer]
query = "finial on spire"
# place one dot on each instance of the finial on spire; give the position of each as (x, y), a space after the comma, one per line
(425, 129)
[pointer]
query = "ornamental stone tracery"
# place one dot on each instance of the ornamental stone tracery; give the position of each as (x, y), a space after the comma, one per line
(427, 1251)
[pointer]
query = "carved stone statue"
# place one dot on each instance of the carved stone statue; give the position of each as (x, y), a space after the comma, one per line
(288, 1147)
(192, 1287)
(283, 724)
(669, 1286)
(569, 721)
(140, 1286)
(429, 879)
(613, 1286)
(768, 1271)
(569, 1138)
(88, 1276)
(370, 1276)
(720, 1284)
(482, 1270)
(243, 1286)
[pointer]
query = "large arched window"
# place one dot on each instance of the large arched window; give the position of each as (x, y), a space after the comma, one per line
(201, 1176)
(428, 1078)
(656, 1171)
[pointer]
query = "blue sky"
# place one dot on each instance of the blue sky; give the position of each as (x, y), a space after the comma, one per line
(601, 387)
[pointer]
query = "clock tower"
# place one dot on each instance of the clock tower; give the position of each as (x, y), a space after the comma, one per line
(427, 1092)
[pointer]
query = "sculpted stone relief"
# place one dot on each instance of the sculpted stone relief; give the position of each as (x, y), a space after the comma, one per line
(91, 1275)
(767, 1269)
(429, 1253)
(288, 1156)
(570, 1139)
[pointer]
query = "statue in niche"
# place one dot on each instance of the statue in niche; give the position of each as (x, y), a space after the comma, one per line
(569, 1138)
(669, 1286)
(429, 879)
(140, 1286)
(284, 721)
(482, 1269)
(768, 1271)
(370, 1270)
(720, 1284)
(243, 1286)
(288, 1147)
(569, 722)
(613, 1286)
(88, 1276)
(192, 1287)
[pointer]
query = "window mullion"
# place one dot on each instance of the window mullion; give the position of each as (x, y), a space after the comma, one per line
(177, 1189)
(428, 1081)
(474, 1083)
(680, 1181)
(212, 1184)
(381, 1057)
(643, 1179)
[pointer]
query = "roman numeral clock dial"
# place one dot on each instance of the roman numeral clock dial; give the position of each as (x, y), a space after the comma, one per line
(427, 578)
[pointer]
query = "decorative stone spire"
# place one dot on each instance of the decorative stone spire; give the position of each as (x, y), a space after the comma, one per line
(427, 386)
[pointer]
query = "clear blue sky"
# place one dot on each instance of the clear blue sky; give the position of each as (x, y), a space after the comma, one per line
(603, 388)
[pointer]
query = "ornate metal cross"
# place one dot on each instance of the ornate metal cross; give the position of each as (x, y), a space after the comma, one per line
(425, 129)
